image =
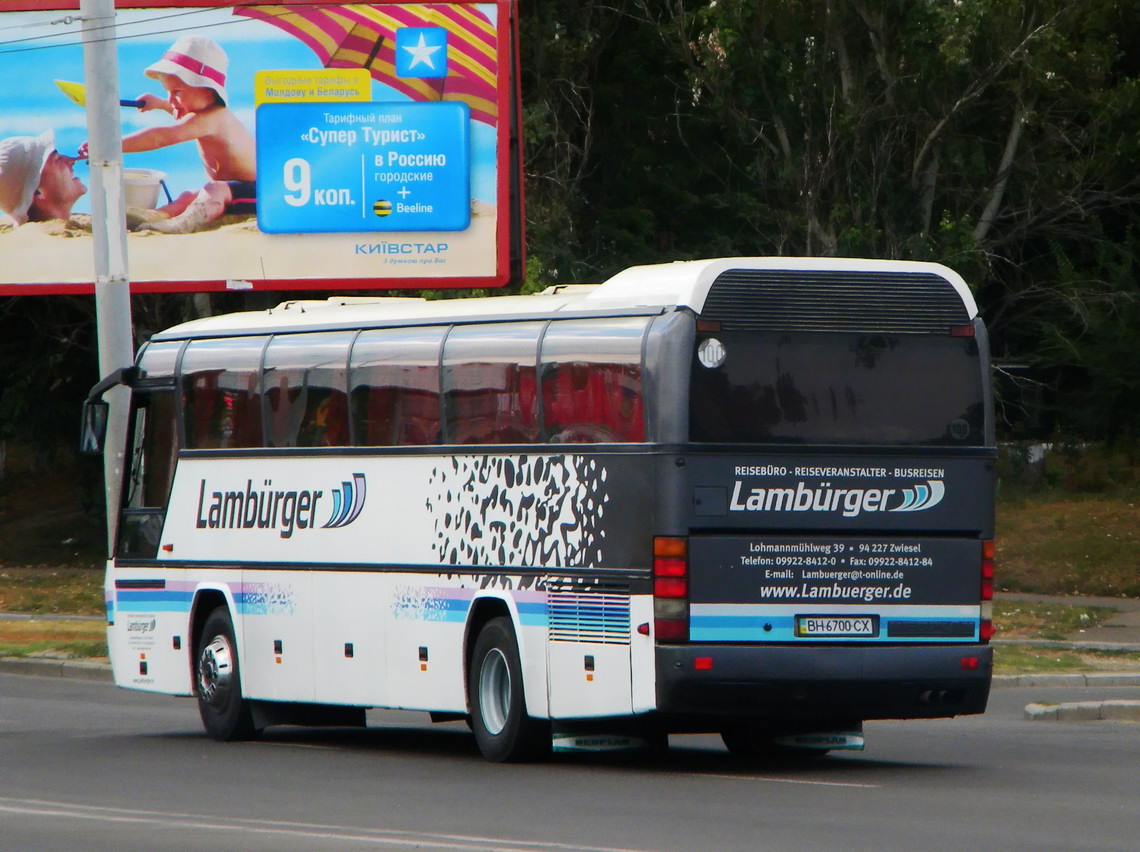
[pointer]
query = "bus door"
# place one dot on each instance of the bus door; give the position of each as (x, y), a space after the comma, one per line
(153, 438)
(147, 605)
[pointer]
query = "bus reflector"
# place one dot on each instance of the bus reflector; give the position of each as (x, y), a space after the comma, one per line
(671, 588)
(987, 631)
(703, 664)
(988, 570)
(961, 331)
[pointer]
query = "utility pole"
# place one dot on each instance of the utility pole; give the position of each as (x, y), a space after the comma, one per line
(109, 230)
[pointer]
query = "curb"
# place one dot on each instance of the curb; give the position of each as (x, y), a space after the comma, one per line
(89, 670)
(1089, 679)
(1084, 711)
(78, 669)
(1070, 644)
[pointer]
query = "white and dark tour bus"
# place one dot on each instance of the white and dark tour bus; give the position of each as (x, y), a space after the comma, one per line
(750, 496)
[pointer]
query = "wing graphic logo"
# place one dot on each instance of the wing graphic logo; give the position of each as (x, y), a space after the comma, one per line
(921, 497)
(348, 502)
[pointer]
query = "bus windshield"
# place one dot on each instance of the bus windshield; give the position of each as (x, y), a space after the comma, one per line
(837, 388)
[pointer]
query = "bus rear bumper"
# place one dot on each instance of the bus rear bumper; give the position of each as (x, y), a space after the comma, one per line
(821, 682)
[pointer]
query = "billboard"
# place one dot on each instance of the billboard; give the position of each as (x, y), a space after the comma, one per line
(284, 146)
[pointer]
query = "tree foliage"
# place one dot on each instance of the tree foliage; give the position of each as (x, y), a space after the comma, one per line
(1000, 137)
(996, 136)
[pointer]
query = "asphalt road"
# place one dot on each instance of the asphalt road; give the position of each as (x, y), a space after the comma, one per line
(84, 766)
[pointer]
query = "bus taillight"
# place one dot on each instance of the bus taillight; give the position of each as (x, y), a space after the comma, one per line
(986, 631)
(671, 588)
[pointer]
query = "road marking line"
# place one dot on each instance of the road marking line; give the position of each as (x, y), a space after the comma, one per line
(786, 780)
(298, 745)
(356, 834)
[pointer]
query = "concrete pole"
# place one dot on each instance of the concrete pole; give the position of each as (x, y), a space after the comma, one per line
(109, 229)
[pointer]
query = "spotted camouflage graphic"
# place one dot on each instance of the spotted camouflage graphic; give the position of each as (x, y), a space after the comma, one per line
(519, 511)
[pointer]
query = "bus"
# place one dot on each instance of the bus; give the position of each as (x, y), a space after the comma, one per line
(745, 496)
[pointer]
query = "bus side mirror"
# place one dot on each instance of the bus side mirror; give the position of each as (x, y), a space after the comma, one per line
(93, 431)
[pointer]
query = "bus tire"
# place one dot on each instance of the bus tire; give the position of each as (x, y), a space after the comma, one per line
(504, 732)
(226, 714)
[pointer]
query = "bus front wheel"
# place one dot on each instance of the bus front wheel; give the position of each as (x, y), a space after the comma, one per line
(503, 730)
(226, 714)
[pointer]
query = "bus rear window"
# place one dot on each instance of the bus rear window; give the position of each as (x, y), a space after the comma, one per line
(836, 388)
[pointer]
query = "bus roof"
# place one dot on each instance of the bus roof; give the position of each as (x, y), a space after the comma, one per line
(639, 289)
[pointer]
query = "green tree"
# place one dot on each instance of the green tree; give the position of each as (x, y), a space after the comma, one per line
(996, 136)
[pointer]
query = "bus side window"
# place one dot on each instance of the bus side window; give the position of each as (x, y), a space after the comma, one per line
(592, 381)
(394, 387)
(489, 384)
(220, 393)
(305, 390)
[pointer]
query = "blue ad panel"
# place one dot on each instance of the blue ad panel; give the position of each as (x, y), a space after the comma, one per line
(345, 167)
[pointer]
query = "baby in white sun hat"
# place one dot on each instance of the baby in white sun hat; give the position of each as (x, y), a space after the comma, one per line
(193, 73)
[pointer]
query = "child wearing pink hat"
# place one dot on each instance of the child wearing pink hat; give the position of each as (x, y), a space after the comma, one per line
(193, 73)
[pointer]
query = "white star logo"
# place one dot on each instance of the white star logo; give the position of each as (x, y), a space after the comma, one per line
(421, 53)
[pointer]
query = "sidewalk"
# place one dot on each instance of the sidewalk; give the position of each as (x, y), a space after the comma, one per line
(1121, 632)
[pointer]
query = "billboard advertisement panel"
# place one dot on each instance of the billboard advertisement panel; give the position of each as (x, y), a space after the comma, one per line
(284, 146)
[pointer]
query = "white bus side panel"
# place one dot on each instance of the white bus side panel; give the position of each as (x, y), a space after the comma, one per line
(425, 617)
(277, 617)
(350, 645)
(387, 554)
(148, 629)
(589, 653)
(643, 661)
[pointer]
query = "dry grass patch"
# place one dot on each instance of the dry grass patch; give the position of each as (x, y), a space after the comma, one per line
(46, 590)
(1023, 659)
(1070, 546)
(1033, 620)
(57, 638)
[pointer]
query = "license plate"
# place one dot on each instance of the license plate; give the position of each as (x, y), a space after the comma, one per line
(837, 625)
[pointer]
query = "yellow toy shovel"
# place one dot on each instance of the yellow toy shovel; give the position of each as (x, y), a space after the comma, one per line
(78, 93)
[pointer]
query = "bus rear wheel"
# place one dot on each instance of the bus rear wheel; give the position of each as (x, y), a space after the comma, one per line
(503, 730)
(225, 713)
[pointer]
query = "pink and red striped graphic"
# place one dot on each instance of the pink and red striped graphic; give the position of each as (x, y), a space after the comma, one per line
(364, 36)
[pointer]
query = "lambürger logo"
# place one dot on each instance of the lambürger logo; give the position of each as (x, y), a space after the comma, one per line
(283, 510)
(849, 501)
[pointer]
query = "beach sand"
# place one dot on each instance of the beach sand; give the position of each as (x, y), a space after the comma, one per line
(59, 252)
